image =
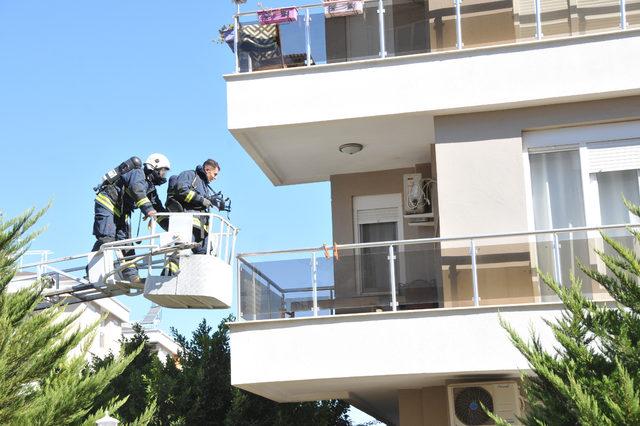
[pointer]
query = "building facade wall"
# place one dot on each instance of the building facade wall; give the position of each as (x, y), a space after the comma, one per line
(482, 187)
(423, 407)
(417, 270)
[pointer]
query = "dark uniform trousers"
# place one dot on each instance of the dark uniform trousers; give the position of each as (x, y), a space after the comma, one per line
(108, 227)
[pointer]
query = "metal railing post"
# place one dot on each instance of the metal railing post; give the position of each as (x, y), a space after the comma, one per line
(392, 278)
(314, 283)
(457, 4)
(557, 275)
(538, 11)
(307, 35)
(269, 298)
(239, 289)
(474, 273)
(623, 15)
(253, 279)
(383, 51)
(236, 33)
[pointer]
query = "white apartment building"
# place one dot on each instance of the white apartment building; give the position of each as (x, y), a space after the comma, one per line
(522, 118)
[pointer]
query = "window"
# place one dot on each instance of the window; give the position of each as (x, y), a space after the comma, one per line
(558, 202)
(556, 186)
(376, 218)
(577, 178)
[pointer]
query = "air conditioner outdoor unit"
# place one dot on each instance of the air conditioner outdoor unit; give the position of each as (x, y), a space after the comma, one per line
(503, 398)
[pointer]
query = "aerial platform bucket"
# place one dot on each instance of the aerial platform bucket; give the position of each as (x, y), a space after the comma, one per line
(204, 282)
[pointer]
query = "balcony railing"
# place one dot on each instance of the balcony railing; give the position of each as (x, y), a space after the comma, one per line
(426, 273)
(388, 28)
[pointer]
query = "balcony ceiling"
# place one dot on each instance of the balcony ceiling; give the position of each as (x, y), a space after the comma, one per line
(292, 121)
(309, 152)
(367, 358)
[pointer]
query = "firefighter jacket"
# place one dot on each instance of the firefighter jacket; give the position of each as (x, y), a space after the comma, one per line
(133, 190)
(189, 189)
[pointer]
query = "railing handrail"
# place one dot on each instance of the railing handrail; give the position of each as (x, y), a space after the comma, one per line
(213, 215)
(303, 7)
(416, 241)
(457, 5)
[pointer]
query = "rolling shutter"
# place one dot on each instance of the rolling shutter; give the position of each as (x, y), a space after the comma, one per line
(614, 156)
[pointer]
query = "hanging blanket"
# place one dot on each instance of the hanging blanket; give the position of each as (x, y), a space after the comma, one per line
(262, 44)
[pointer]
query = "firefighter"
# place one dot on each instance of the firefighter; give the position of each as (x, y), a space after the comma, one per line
(190, 192)
(129, 186)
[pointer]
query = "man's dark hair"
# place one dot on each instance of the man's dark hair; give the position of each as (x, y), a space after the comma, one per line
(211, 163)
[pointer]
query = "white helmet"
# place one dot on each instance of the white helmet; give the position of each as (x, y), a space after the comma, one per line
(157, 161)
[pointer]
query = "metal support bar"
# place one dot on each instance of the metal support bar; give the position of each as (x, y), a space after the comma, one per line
(392, 279)
(538, 11)
(307, 35)
(557, 273)
(253, 279)
(623, 15)
(457, 4)
(236, 34)
(238, 290)
(314, 283)
(383, 51)
(474, 273)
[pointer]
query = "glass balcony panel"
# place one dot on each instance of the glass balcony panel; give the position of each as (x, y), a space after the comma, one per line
(505, 270)
(318, 37)
(633, 13)
(592, 16)
(574, 247)
(260, 298)
(622, 237)
(488, 22)
(457, 279)
(442, 25)
(406, 25)
(293, 42)
(361, 281)
(524, 20)
(543, 260)
(349, 38)
(419, 283)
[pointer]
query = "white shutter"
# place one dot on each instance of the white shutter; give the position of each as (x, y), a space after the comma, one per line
(389, 214)
(614, 155)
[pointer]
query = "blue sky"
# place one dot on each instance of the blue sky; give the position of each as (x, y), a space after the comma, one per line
(85, 85)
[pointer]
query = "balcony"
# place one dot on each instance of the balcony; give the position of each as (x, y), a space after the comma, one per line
(426, 273)
(365, 320)
(328, 81)
(341, 31)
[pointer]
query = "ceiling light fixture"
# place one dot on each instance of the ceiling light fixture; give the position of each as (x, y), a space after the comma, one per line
(350, 148)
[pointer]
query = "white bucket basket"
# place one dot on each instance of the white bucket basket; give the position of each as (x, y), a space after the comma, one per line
(204, 282)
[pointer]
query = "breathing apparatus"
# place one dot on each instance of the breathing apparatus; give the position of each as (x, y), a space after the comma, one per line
(112, 177)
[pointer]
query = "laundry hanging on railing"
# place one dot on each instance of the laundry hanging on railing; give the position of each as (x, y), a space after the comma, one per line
(262, 44)
(337, 8)
(278, 16)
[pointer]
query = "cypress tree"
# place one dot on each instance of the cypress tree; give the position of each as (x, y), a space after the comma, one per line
(593, 377)
(40, 382)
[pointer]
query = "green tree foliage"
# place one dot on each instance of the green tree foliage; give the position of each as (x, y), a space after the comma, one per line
(135, 379)
(252, 410)
(41, 382)
(196, 387)
(593, 378)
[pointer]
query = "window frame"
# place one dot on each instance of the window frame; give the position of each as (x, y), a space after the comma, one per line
(579, 139)
(377, 202)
